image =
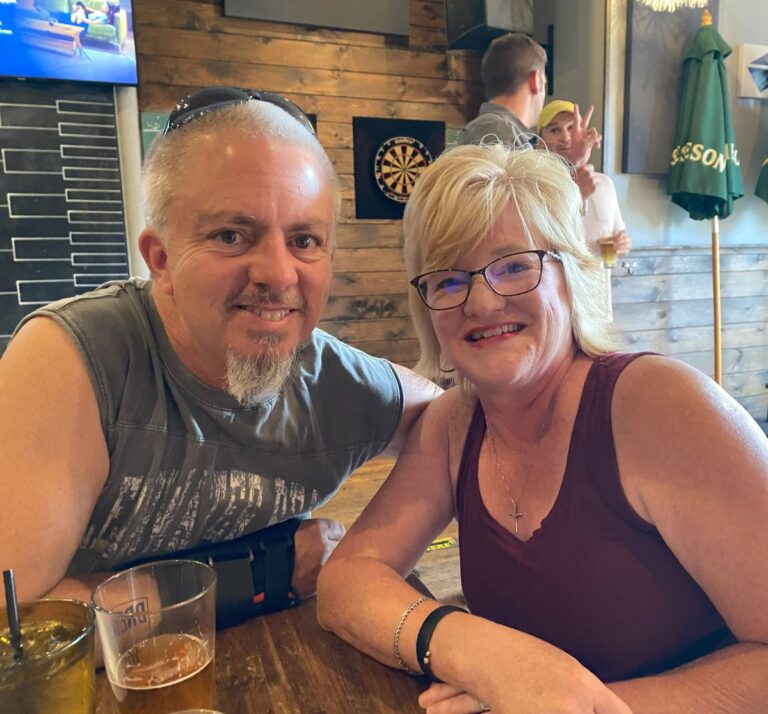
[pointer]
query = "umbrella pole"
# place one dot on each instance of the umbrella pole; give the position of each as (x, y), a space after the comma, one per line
(716, 295)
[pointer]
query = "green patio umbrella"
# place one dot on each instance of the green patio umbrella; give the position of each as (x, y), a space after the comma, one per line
(761, 190)
(705, 177)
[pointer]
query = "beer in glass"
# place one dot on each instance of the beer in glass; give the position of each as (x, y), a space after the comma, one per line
(607, 252)
(157, 628)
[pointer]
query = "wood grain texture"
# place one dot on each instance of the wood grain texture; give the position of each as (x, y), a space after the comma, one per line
(205, 72)
(666, 306)
(158, 96)
(285, 663)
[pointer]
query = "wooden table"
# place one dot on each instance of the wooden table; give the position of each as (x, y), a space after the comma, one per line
(57, 36)
(285, 663)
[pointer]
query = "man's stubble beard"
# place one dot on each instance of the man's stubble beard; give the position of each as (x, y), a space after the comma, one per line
(254, 379)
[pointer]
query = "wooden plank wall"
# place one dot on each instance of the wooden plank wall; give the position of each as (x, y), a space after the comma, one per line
(185, 44)
(666, 306)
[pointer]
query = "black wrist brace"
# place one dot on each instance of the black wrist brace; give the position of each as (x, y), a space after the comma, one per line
(253, 572)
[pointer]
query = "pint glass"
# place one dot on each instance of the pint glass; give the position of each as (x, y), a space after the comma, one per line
(55, 672)
(157, 626)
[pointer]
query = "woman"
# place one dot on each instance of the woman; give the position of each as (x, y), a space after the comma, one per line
(612, 508)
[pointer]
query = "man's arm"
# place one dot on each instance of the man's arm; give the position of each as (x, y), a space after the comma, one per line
(417, 393)
(54, 459)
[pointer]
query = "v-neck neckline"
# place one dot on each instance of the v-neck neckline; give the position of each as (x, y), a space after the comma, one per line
(564, 481)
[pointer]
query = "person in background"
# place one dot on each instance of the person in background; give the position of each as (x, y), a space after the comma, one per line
(602, 216)
(203, 406)
(83, 15)
(604, 227)
(515, 83)
(612, 508)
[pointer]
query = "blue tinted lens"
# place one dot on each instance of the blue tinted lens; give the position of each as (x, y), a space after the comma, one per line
(514, 272)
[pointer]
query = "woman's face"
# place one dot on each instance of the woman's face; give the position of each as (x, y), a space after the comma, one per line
(502, 342)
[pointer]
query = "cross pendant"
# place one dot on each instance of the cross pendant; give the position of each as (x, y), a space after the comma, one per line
(517, 516)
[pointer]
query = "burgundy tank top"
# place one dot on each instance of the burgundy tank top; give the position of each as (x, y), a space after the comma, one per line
(595, 580)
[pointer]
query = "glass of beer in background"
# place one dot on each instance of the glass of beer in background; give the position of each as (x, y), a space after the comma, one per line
(55, 672)
(607, 252)
(157, 626)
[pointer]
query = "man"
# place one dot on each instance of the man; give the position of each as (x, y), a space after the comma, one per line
(515, 83)
(603, 225)
(148, 418)
(602, 217)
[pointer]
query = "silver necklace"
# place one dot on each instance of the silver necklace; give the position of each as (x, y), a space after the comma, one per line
(517, 514)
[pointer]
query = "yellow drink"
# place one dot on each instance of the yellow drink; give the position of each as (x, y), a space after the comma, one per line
(56, 672)
(607, 252)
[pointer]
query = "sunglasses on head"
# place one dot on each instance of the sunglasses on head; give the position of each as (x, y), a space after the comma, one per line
(210, 99)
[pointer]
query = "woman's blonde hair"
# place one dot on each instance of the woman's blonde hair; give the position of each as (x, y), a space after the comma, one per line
(455, 204)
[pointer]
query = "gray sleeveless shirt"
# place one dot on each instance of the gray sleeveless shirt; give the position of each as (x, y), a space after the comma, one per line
(187, 463)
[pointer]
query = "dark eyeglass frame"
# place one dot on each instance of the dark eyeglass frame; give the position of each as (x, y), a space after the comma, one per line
(210, 99)
(482, 271)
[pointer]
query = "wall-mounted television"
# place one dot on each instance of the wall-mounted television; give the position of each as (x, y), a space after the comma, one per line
(80, 40)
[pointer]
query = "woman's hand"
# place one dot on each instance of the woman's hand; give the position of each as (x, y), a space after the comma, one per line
(510, 672)
(443, 698)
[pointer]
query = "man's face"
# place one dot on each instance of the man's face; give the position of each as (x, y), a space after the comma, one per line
(557, 134)
(249, 240)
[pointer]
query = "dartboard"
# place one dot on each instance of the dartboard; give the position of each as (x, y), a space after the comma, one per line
(397, 165)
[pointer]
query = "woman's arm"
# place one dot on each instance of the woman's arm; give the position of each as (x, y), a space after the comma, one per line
(362, 595)
(361, 590)
(695, 464)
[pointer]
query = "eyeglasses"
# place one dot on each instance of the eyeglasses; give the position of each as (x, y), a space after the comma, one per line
(512, 274)
(210, 99)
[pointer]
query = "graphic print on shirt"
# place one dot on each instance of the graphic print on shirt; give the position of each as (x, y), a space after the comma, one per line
(171, 511)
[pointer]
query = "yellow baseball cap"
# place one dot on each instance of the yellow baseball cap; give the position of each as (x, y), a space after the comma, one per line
(551, 110)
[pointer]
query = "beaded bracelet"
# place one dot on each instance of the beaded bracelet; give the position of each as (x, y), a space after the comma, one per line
(396, 642)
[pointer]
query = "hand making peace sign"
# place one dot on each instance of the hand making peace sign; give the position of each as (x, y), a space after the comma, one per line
(583, 137)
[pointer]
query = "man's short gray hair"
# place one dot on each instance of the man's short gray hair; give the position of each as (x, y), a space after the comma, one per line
(165, 160)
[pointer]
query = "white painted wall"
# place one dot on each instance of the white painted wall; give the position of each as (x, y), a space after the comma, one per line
(652, 219)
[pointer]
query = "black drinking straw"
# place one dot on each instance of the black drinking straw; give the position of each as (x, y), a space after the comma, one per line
(12, 608)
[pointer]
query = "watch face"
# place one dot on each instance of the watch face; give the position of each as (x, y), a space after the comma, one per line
(397, 165)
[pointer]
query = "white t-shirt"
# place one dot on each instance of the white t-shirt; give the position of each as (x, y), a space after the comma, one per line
(603, 219)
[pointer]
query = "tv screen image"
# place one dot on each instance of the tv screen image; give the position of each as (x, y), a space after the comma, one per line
(81, 40)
